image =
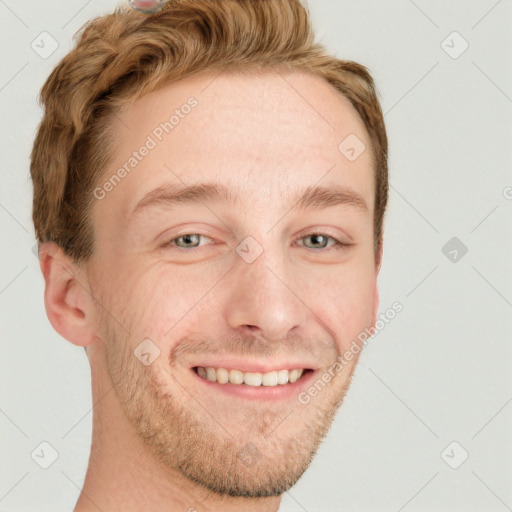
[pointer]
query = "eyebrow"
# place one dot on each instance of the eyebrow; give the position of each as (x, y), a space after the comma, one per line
(316, 197)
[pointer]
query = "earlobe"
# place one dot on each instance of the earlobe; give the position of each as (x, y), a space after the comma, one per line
(67, 298)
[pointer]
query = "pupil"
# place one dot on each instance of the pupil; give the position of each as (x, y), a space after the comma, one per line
(316, 237)
(187, 238)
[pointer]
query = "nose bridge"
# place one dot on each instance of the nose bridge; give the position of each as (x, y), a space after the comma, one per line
(262, 296)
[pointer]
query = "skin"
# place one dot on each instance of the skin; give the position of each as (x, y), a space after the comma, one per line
(162, 438)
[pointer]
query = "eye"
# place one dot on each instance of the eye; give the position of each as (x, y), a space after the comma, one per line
(320, 238)
(190, 241)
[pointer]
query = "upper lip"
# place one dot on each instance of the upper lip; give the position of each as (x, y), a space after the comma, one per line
(254, 366)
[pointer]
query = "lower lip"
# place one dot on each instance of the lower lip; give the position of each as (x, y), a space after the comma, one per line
(279, 392)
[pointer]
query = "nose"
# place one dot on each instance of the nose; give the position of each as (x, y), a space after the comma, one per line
(262, 301)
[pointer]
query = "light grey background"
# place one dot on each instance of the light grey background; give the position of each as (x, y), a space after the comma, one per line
(438, 373)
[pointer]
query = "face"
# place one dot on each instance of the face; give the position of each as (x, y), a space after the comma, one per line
(246, 284)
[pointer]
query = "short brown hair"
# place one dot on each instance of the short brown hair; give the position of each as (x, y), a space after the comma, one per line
(124, 55)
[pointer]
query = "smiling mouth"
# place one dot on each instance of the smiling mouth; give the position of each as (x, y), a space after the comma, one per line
(255, 379)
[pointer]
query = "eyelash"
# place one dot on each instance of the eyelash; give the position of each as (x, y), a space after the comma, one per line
(336, 246)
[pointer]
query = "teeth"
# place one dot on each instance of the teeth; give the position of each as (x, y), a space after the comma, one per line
(222, 376)
(294, 375)
(211, 374)
(282, 376)
(269, 379)
(235, 377)
(252, 379)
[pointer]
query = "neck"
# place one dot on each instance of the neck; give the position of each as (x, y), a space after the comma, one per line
(123, 475)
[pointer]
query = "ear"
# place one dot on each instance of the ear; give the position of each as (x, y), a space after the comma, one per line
(376, 298)
(67, 298)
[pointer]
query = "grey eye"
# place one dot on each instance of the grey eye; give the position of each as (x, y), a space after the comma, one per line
(318, 238)
(187, 238)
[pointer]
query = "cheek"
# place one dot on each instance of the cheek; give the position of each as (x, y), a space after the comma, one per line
(161, 302)
(158, 301)
(344, 301)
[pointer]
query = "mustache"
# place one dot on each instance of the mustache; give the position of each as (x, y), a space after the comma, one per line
(321, 351)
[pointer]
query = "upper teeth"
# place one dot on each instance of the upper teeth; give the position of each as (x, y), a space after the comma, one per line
(273, 378)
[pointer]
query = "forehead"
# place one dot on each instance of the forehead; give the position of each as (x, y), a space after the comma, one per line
(263, 133)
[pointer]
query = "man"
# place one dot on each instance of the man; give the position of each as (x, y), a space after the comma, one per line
(209, 193)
